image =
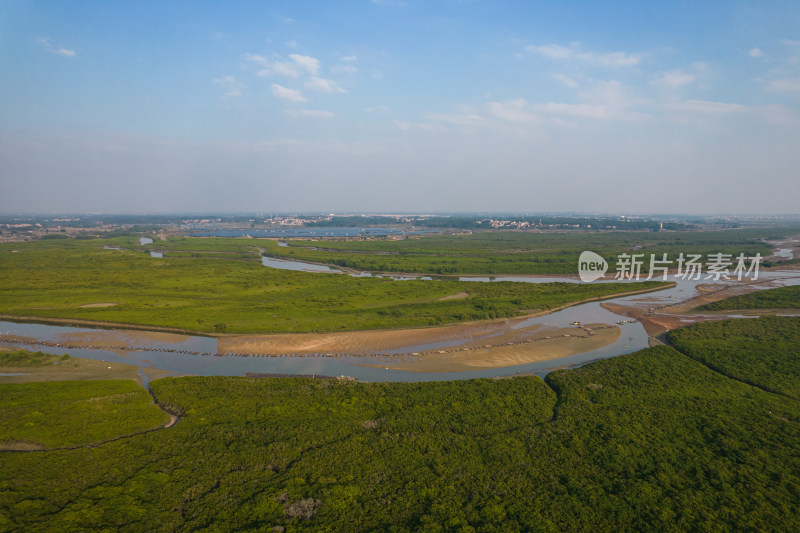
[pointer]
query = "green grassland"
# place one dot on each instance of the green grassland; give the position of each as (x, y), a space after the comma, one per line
(519, 252)
(69, 413)
(650, 441)
(231, 293)
(754, 351)
(780, 298)
(22, 358)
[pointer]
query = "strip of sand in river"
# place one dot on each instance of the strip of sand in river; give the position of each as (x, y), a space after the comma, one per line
(509, 343)
(547, 343)
(675, 315)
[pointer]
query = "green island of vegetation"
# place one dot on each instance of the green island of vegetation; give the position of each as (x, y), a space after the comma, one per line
(667, 439)
(729, 347)
(220, 286)
(499, 252)
(13, 358)
(779, 298)
(58, 414)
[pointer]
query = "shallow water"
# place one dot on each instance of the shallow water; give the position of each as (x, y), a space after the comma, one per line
(152, 352)
(284, 264)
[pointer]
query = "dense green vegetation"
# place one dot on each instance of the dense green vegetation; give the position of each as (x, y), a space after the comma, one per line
(26, 358)
(648, 441)
(780, 298)
(67, 413)
(518, 252)
(764, 352)
(224, 293)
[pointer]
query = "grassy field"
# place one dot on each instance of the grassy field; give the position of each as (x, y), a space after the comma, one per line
(780, 298)
(23, 366)
(226, 293)
(53, 414)
(24, 358)
(753, 351)
(518, 252)
(653, 440)
(68, 413)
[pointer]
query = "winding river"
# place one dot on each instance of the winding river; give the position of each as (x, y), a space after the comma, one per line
(198, 355)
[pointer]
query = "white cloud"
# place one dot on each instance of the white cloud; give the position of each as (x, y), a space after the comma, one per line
(553, 51)
(284, 69)
(755, 52)
(575, 53)
(294, 68)
(271, 67)
(322, 85)
(231, 85)
(46, 43)
(511, 111)
(618, 100)
(778, 114)
(614, 59)
(566, 80)
(343, 69)
(674, 79)
(310, 113)
(612, 93)
(456, 119)
(376, 108)
(307, 63)
(255, 58)
(291, 44)
(349, 59)
(786, 86)
(407, 126)
(710, 108)
(574, 110)
(284, 93)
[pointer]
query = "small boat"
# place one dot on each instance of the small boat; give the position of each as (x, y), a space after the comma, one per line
(576, 323)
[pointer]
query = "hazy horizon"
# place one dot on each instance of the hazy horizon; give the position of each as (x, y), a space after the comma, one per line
(400, 106)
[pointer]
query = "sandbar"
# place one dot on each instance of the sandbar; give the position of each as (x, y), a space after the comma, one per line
(543, 344)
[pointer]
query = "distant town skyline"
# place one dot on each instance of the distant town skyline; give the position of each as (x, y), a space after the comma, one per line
(400, 106)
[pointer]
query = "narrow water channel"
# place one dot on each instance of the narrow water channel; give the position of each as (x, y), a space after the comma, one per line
(198, 355)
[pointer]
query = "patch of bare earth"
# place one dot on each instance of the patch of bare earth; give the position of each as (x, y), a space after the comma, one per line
(456, 296)
(20, 446)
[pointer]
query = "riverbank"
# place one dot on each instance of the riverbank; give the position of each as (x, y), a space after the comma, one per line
(546, 344)
(350, 343)
(69, 369)
(359, 343)
(658, 319)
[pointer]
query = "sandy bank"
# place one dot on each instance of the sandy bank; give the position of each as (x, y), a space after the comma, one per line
(72, 368)
(382, 341)
(544, 344)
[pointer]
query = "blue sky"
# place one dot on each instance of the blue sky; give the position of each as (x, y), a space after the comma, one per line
(368, 106)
